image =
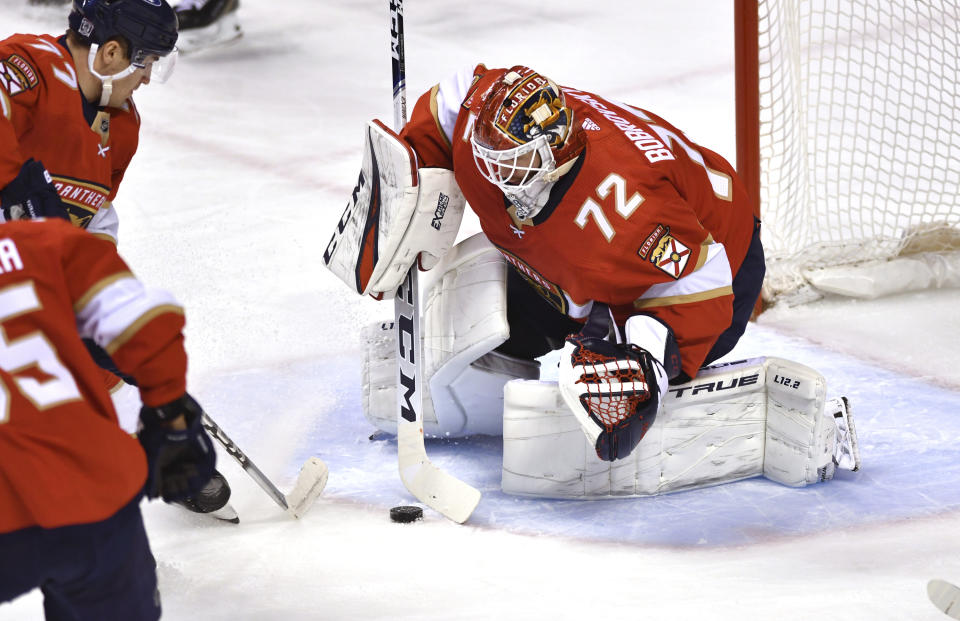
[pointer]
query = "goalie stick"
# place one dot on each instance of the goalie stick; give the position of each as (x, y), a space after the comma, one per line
(310, 482)
(945, 596)
(432, 486)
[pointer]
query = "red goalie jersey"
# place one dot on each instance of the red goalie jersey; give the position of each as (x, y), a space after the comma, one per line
(42, 116)
(644, 220)
(63, 458)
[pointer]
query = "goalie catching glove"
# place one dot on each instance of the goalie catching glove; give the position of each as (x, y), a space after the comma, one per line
(397, 213)
(614, 389)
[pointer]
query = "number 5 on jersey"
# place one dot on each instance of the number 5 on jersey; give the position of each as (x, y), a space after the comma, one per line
(31, 350)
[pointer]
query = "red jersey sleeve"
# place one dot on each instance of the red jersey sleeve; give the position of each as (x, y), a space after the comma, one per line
(20, 85)
(445, 105)
(140, 328)
(424, 134)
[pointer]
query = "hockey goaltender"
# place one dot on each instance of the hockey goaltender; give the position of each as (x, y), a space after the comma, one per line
(606, 235)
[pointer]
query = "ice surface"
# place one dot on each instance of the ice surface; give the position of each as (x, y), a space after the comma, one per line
(246, 159)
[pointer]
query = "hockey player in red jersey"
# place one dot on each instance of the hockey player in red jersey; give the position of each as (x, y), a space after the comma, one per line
(607, 234)
(70, 478)
(601, 209)
(69, 128)
(67, 117)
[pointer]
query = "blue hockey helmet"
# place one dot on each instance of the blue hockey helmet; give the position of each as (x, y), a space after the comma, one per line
(149, 26)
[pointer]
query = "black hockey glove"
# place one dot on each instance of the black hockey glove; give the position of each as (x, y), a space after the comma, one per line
(179, 461)
(32, 195)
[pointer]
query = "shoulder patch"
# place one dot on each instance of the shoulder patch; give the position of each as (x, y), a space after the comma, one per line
(17, 75)
(651, 242)
(670, 255)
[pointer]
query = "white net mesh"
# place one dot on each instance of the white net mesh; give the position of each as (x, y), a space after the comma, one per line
(859, 124)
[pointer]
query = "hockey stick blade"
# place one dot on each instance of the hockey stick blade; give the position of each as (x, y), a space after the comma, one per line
(945, 596)
(432, 486)
(310, 482)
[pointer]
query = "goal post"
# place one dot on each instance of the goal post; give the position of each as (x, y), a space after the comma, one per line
(746, 57)
(848, 136)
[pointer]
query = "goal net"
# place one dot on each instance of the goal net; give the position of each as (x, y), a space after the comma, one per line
(857, 144)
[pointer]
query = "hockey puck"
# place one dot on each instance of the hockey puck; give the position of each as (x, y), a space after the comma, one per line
(406, 513)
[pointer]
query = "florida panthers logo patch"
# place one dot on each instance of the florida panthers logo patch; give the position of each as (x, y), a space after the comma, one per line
(652, 241)
(17, 75)
(670, 255)
(533, 107)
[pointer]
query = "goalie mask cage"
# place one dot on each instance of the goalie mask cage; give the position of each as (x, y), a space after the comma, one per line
(848, 137)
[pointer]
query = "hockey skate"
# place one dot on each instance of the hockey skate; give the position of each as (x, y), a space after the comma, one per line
(213, 499)
(846, 451)
(207, 23)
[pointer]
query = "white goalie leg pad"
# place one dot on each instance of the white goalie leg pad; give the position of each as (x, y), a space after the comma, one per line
(763, 416)
(396, 213)
(379, 377)
(709, 431)
(800, 437)
(463, 320)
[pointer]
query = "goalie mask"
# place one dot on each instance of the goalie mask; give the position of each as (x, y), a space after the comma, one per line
(524, 138)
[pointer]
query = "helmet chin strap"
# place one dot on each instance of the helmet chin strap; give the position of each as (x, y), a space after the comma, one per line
(531, 200)
(106, 80)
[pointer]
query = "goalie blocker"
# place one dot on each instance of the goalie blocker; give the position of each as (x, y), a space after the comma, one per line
(396, 214)
(762, 417)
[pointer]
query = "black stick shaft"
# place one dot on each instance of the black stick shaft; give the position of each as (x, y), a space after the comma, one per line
(398, 59)
(248, 466)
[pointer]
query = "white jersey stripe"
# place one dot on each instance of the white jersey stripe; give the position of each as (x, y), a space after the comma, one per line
(108, 316)
(451, 92)
(5, 105)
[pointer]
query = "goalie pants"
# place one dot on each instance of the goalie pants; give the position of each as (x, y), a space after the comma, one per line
(102, 570)
(746, 291)
(537, 327)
